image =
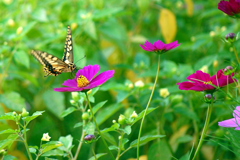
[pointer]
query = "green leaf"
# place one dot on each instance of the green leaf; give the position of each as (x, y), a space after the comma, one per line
(67, 142)
(114, 127)
(98, 106)
(8, 116)
(51, 145)
(113, 148)
(127, 130)
(145, 139)
(8, 142)
(13, 101)
(22, 57)
(67, 111)
(160, 150)
(27, 28)
(98, 156)
(79, 124)
(9, 157)
(107, 112)
(33, 150)
(54, 102)
(40, 14)
(8, 131)
(54, 152)
(98, 14)
(124, 141)
(34, 115)
(108, 137)
(187, 112)
(142, 113)
(121, 95)
(184, 139)
(89, 128)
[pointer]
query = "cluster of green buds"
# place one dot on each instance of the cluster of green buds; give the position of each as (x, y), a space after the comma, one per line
(123, 120)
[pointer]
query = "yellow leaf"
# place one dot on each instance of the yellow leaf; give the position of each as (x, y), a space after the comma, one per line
(189, 7)
(168, 25)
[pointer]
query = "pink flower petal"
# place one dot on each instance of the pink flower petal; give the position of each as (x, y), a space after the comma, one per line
(67, 89)
(199, 77)
(172, 45)
(70, 83)
(149, 45)
(159, 45)
(144, 48)
(88, 71)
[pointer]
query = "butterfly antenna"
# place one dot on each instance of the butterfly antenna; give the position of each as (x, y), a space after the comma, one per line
(80, 59)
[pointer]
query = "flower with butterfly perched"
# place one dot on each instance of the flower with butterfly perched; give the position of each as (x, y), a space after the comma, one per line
(159, 46)
(201, 81)
(85, 80)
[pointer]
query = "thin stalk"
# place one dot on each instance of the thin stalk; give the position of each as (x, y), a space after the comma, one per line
(80, 142)
(25, 142)
(209, 112)
(94, 153)
(119, 147)
(144, 115)
(235, 52)
(90, 107)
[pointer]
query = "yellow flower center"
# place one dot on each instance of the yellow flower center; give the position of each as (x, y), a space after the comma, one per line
(209, 82)
(82, 81)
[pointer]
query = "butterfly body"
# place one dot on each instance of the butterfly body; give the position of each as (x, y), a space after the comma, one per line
(53, 65)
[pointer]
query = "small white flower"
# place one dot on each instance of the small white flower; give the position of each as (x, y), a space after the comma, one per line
(139, 83)
(45, 137)
(164, 92)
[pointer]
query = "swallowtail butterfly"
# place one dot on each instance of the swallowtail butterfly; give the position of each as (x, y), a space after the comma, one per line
(53, 65)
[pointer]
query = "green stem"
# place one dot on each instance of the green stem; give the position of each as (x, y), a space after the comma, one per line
(119, 147)
(25, 142)
(235, 52)
(80, 143)
(90, 107)
(94, 153)
(154, 86)
(209, 112)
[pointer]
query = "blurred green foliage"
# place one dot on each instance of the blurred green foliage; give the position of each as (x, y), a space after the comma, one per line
(108, 33)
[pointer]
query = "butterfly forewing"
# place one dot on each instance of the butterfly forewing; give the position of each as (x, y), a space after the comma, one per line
(68, 48)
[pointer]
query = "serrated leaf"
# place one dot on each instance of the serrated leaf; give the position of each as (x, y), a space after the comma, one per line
(34, 115)
(168, 24)
(22, 58)
(7, 131)
(98, 106)
(67, 111)
(12, 100)
(8, 142)
(145, 139)
(78, 125)
(98, 156)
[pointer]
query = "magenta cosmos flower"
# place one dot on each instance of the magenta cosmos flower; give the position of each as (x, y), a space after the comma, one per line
(84, 79)
(233, 122)
(201, 81)
(231, 7)
(159, 46)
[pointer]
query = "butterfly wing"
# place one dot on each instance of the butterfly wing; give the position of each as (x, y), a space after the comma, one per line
(68, 48)
(52, 65)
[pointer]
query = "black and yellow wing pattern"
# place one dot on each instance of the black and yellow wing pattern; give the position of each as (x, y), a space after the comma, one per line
(53, 65)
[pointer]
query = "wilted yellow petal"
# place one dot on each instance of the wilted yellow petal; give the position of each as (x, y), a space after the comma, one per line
(168, 25)
(189, 7)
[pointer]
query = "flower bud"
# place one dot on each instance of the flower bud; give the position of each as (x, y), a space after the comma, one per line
(228, 68)
(45, 137)
(208, 98)
(11, 23)
(75, 96)
(89, 137)
(72, 102)
(139, 84)
(164, 92)
(73, 26)
(14, 113)
(215, 63)
(212, 34)
(24, 112)
(19, 30)
(119, 137)
(89, 92)
(3, 152)
(85, 115)
(122, 119)
(113, 121)
(134, 115)
(230, 37)
(130, 85)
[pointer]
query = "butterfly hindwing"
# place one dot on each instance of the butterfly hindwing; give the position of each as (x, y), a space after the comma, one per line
(53, 65)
